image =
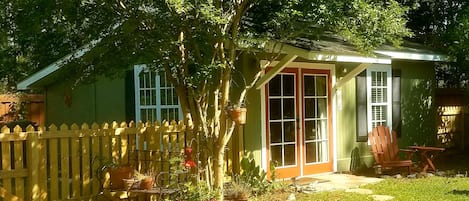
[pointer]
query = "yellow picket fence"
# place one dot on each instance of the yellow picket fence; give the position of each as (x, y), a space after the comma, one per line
(60, 163)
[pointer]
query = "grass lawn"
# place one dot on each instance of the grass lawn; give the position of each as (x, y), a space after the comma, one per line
(432, 188)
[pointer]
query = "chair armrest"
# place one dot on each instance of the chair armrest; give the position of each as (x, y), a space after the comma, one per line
(408, 152)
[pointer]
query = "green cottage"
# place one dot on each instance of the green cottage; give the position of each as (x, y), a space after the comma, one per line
(309, 111)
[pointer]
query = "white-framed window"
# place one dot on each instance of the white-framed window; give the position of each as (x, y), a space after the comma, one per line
(155, 97)
(379, 96)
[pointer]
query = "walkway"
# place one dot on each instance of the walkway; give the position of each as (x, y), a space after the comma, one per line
(347, 182)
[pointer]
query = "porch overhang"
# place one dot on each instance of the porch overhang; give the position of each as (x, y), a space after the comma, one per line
(293, 52)
(357, 70)
(384, 55)
(276, 69)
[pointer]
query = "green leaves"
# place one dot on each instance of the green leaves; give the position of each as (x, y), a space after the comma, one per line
(373, 24)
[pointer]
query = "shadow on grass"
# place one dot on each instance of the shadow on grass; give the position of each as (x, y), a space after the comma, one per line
(460, 192)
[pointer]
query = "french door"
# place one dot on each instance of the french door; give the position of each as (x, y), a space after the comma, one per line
(298, 122)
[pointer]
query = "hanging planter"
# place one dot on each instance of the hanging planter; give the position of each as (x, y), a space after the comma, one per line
(238, 115)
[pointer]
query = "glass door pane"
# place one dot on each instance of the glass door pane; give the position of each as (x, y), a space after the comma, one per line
(315, 118)
(282, 120)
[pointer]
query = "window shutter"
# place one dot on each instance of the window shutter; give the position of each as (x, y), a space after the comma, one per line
(362, 130)
(396, 101)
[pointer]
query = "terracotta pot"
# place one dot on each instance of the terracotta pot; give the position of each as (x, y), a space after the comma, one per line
(147, 183)
(117, 176)
(238, 115)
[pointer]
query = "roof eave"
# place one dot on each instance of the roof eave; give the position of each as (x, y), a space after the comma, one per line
(414, 56)
(43, 73)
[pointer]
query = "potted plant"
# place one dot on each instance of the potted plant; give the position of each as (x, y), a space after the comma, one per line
(238, 114)
(117, 173)
(237, 191)
(146, 181)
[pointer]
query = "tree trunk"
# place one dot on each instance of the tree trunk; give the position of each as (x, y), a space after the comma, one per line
(218, 170)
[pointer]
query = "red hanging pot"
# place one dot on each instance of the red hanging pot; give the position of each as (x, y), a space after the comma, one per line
(238, 115)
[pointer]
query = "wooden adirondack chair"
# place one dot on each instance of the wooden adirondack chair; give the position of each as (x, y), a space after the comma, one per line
(386, 151)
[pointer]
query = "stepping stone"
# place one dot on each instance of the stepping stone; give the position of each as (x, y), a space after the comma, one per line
(382, 197)
(362, 191)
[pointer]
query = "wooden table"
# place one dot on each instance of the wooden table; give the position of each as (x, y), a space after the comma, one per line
(427, 154)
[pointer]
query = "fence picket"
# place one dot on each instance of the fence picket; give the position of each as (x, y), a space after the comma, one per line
(19, 164)
(42, 171)
(54, 167)
(6, 163)
(75, 156)
(95, 162)
(65, 168)
(85, 159)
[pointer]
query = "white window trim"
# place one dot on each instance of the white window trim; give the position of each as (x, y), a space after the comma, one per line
(137, 70)
(388, 70)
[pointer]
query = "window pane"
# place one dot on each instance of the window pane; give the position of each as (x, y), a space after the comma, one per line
(289, 108)
(142, 97)
(379, 95)
(289, 131)
(153, 97)
(165, 114)
(288, 85)
(171, 114)
(322, 108)
(322, 129)
(147, 97)
(143, 114)
(141, 79)
(379, 112)
(310, 108)
(275, 132)
(162, 80)
(163, 96)
(275, 109)
(176, 114)
(322, 152)
(151, 80)
(276, 154)
(311, 152)
(310, 130)
(175, 98)
(321, 88)
(309, 87)
(275, 86)
(290, 158)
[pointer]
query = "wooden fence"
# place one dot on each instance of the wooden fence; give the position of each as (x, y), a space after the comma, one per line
(59, 163)
(33, 105)
(452, 119)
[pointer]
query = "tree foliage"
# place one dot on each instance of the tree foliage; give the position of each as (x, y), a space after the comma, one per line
(197, 43)
(443, 25)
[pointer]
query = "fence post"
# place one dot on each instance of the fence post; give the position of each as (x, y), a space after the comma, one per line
(33, 158)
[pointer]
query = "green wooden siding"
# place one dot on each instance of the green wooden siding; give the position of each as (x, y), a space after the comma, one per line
(417, 108)
(417, 103)
(252, 129)
(102, 101)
